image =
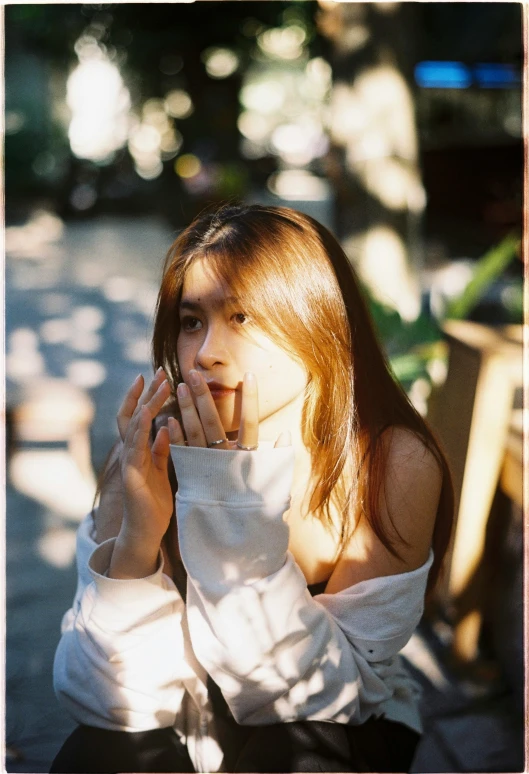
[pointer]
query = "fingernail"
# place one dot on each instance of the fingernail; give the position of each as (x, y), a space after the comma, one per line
(137, 379)
(158, 370)
(249, 379)
(194, 377)
(182, 390)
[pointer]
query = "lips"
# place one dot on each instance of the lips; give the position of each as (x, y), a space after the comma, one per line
(218, 390)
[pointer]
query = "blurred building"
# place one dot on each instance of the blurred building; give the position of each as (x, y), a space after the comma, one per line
(469, 117)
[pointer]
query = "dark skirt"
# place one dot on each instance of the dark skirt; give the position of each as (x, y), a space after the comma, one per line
(379, 745)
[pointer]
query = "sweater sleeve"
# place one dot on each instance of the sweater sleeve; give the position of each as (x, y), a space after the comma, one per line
(120, 662)
(276, 653)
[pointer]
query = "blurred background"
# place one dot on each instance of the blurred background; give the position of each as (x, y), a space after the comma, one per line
(396, 124)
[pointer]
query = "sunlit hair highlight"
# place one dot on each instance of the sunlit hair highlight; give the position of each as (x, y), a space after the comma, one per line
(297, 285)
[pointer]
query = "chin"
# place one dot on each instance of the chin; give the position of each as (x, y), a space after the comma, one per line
(229, 425)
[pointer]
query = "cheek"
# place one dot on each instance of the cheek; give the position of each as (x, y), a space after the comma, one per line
(185, 354)
(281, 377)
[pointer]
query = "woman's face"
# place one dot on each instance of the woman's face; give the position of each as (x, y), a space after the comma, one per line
(217, 339)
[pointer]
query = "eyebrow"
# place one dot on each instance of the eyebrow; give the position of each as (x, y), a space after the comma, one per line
(194, 306)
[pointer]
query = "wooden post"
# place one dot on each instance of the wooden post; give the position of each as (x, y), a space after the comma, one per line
(472, 415)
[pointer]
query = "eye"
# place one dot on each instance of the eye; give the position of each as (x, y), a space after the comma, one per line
(190, 324)
(240, 318)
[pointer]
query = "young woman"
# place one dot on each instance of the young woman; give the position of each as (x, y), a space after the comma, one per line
(256, 624)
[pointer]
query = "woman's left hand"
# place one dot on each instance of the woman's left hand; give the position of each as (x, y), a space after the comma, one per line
(201, 422)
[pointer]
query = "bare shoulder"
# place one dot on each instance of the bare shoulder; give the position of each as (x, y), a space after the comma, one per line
(408, 454)
(410, 493)
(408, 502)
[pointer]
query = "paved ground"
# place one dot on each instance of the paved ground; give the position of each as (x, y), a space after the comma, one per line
(81, 311)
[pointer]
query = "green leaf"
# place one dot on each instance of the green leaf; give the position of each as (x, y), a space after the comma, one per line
(486, 271)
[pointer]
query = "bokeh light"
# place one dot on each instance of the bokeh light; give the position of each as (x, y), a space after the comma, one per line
(188, 165)
(220, 62)
(283, 42)
(298, 184)
(99, 102)
(178, 104)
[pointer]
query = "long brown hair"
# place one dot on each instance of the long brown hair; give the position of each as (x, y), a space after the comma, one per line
(300, 288)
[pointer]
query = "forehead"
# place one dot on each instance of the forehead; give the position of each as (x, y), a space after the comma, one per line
(203, 285)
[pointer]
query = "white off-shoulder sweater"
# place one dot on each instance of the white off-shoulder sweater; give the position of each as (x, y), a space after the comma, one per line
(134, 657)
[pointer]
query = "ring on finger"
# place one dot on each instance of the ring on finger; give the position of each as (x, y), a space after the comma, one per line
(247, 448)
(217, 443)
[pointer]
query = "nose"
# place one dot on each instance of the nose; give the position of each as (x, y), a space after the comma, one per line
(212, 350)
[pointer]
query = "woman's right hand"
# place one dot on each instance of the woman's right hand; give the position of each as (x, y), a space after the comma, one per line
(148, 500)
(108, 516)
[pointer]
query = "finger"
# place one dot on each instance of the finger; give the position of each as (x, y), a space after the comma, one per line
(147, 410)
(137, 441)
(249, 425)
(157, 401)
(158, 379)
(207, 411)
(128, 407)
(190, 419)
(160, 449)
(283, 440)
(134, 399)
(176, 434)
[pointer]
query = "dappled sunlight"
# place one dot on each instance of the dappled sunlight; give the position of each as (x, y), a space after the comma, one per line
(138, 351)
(145, 298)
(86, 373)
(447, 283)
(90, 274)
(36, 239)
(276, 653)
(23, 361)
(80, 331)
(282, 681)
(419, 394)
(373, 120)
(88, 318)
(53, 479)
(119, 289)
(86, 342)
(384, 266)
(134, 340)
(397, 185)
(55, 331)
(57, 547)
(374, 117)
(420, 656)
(437, 370)
(51, 460)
